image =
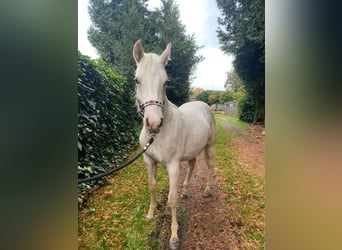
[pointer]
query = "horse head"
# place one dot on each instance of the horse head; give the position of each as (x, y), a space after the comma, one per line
(150, 80)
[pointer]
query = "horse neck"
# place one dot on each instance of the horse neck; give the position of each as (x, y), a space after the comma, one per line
(172, 116)
(169, 110)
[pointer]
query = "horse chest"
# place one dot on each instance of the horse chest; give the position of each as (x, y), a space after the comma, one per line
(162, 153)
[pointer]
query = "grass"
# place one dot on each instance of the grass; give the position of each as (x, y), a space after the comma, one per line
(232, 120)
(245, 189)
(115, 215)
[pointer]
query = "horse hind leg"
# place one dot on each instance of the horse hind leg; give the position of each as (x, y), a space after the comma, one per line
(185, 191)
(209, 155)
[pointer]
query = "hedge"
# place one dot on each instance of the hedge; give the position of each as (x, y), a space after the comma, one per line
(246, 109)
(106, 119)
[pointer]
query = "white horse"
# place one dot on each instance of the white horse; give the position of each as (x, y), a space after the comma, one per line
(181, 133)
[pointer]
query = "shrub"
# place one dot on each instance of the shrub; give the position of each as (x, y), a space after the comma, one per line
(246, 109)
(106, 119)
(203, 96)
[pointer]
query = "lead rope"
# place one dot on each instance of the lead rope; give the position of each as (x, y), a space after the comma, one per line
(114, 170)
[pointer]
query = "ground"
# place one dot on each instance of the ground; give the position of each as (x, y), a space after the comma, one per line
(205, 222)
(233, 217)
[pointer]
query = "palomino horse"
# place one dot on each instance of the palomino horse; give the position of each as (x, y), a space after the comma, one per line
(181, 133)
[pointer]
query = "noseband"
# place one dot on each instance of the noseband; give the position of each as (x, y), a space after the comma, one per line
(142, 106)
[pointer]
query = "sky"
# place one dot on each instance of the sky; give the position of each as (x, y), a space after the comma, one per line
(200, 19)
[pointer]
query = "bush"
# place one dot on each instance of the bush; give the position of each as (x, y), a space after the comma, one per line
(246, 109)
(203, 96)
(106, 119)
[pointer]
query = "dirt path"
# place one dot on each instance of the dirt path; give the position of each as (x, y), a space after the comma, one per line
(204, 222)
(250, 147)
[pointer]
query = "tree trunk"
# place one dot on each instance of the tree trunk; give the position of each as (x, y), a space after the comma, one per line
(259, 108)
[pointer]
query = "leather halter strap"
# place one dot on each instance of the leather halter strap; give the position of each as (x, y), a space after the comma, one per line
(142, 106)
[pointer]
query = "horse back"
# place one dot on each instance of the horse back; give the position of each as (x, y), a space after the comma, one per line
(198, 116)
(197, 109)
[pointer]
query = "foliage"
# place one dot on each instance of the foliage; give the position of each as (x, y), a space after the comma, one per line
(234, 86)
(203, 96)
(233, 82)
(226, 96)
(238, 95)
(211, 96)
(196, 91)
(214, 97)
(246, 109)
(183, 52)
(242, 33)
(106, 118)
(117, 24)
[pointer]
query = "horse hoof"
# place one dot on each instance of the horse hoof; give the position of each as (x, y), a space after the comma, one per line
(174, 244)
(206, 194)
(149, 218)
(184, 195)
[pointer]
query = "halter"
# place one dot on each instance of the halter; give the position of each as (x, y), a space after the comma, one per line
(142, 106)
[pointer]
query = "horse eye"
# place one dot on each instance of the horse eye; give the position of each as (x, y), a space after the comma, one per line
(136, 81)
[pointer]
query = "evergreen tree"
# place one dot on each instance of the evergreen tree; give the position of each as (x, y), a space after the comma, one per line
(118, 24)
(183, 52)
(242, 33)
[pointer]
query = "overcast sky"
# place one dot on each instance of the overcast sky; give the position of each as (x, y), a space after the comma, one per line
(200, 19)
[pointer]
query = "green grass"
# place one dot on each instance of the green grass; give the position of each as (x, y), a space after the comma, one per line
(245, 189)
(115, 215)
(232, 120)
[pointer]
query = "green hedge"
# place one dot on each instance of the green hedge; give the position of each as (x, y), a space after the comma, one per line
(246, 109)
(106, 119)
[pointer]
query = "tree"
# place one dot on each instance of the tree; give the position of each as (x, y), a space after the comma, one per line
(118, 24)
(203, 96)
(242, 33)
(226, 96)
(196, 91)
(183, 52)
(211, 97)
(233, 82)
(214, 97)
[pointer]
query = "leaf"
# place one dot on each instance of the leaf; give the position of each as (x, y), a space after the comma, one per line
(102, 118)
(79, 146)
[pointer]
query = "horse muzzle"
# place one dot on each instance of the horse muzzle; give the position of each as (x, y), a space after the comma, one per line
(153, 125)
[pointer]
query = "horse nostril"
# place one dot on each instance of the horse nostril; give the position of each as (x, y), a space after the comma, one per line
(153, 125)
(147, 122)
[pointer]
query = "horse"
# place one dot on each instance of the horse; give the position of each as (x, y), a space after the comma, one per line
(180, 133)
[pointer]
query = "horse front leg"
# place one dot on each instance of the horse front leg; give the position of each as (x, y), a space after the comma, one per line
(173, 172)
(151, 166)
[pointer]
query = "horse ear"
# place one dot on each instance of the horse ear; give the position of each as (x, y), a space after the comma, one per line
(138, 51)
(165, 56)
